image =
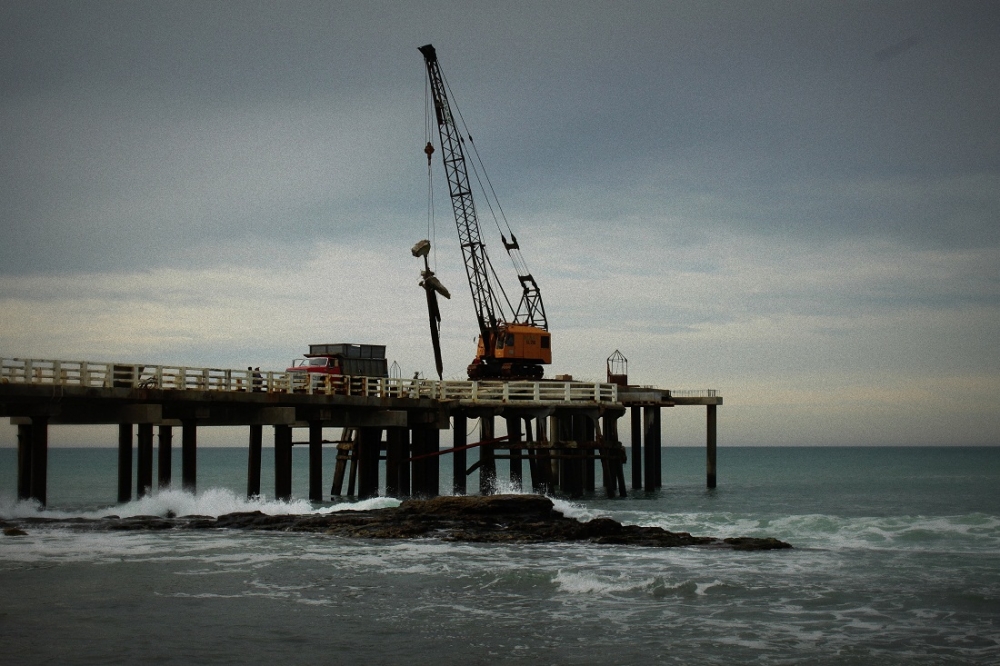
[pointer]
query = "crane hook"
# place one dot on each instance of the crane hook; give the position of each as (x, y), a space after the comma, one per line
(429, 149)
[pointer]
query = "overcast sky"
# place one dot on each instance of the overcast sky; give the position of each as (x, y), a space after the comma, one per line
(795, 203)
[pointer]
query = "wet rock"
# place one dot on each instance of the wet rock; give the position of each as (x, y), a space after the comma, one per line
(481, 519)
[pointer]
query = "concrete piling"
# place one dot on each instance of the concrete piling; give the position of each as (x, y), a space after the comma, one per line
(189, 455)
(316, 461)
(144, 464)
(164, 459)
(254, 460)
(459, 459)
(124, 462)
(283, 462)
(710, 446)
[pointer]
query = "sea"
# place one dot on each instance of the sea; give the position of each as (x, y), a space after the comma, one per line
(895, 560)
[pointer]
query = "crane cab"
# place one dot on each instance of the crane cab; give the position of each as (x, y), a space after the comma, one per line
(519, 350)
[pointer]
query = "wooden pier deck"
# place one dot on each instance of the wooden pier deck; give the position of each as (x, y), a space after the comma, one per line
(560, 429)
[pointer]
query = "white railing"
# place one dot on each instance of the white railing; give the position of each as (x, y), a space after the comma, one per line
(694, 393)
(133, 376)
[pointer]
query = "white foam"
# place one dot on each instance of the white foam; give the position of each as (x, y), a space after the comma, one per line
(212, 502)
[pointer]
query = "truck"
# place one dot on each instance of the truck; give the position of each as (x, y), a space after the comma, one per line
(336, 360)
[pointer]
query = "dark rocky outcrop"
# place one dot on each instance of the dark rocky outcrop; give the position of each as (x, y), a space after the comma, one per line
(483, 519)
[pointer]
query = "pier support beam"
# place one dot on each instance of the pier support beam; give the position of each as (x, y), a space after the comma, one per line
(39, 448)
(189, 455)
(710, 447)
(124, 462)
(23, 461)
(397, 484)
(514, 440)
(636, 418)
(164, 452)
(368, 444)
(487, 461)
(459, 460)
(651, 424)
(283, 462)
(144, 466)
(615, 454)
(315, 461)
(588, 432)
(253, 460)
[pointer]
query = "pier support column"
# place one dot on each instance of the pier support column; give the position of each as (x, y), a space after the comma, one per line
(315, 461)
(39, 458)
(636, 418)
(23, 461)
(433, 469)
(189, 455)
(614, 452)
(583, 431)
(396, 455)
(164, 460)
(369, 442)
(459, 459)
(487, 461)
(652, 437)
(144, 466)
(710, 447)
(253, 460)
(418, 447)
(124, 462)
(283, 462)
(514, 441)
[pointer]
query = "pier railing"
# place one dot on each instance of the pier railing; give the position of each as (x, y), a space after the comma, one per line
(694, 393)
(163, 377)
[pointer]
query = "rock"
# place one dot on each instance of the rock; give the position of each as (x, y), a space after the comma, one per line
(14, 531)
(481, 519)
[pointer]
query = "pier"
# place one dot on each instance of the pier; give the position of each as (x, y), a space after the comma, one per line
(556, 431)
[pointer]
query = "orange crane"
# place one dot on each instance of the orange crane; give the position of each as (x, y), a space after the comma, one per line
(514, 343)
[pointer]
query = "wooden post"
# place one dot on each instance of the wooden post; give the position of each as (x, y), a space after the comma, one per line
(618, 466)
(636, 418)
(649, 435)
(459, 459)
(164, 460)
(531, 451)
(404, 482)
(315, 461)
(584, 425)
(487, 462)
(514, 442)
(144, 466)
(124, 462)
(23, 461)
(419, 447)
(283, 462)
(710, 447)
(345, 456)
(368, 445)
(657, 448)
(189, 455)
(433, 473)
(253, 460)
(39, 457)
(393, 460)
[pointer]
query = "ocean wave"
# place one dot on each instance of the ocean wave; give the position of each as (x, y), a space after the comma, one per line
(212, 502)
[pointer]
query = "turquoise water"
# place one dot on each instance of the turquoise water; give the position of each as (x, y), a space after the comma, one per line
(896, 561)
